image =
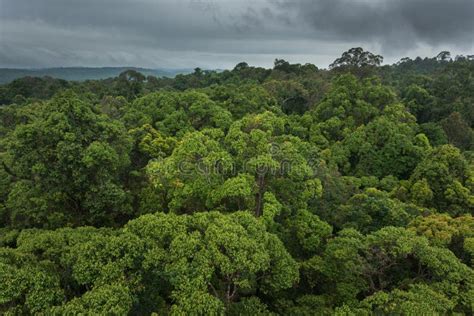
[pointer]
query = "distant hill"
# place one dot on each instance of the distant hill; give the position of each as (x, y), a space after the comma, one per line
(83, 73)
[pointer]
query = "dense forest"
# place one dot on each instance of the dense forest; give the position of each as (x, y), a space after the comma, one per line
(293, 190)
(7, 75)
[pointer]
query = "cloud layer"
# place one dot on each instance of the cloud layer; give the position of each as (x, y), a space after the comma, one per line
(395, 24)
(218, 34)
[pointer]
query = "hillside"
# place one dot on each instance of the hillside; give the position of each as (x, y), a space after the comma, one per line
(83, 73)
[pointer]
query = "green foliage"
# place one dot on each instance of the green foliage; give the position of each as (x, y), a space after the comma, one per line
(211, 260)
(357, 61)
(388, 145)
(174, 113)
(373, 209)
(293, 190)
(419, 101)
(349, 104)
(66, 165)
(442, 181)
(458, 131)
(112, 299)
(27, 286)
(389, 260)
(188, 177)
(418, 300)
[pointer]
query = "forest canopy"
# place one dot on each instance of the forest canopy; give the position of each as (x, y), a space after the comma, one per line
(252, 191)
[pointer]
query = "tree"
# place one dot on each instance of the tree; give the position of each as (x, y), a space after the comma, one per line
(435, 133)
(349, 104)
(459, 133)
(373, 209)
(188, 177)
(276, 162)
(175, 113)
(357, 57)
(213, 261)
(292, 96)
(378, 267)
(419, 102)
(444, 56)
(386, 146)
(242, 99)
(108, 299)
(66, 165)
(32, 88)
(241, 66)
(129, 84)
(417, 299)
(28, 286)
(441, 230)
(443, 174)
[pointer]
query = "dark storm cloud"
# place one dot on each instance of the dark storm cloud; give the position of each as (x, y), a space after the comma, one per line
(207, 33)
(139, 32)
(395, 24)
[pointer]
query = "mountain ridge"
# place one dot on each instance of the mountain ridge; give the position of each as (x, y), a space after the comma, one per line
(84, 73)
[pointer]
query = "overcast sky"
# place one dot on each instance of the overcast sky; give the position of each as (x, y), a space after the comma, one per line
(221, 33)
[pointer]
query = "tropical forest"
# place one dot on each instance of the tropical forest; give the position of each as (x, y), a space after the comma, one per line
(286, 190)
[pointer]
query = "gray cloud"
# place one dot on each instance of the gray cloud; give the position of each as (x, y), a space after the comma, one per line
(395, 24)
(218, 34)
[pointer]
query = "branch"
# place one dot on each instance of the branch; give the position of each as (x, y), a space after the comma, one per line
(213, 289)
(9, 171)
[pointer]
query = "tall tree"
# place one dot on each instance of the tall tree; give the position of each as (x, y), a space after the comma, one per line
(67, 164)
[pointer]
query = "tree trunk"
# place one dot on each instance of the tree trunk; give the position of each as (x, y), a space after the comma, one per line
(259, 195)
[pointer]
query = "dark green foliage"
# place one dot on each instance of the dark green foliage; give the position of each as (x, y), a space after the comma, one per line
(65, 165)
(252, 191)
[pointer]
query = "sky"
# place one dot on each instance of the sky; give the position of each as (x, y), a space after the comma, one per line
(218, 34)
